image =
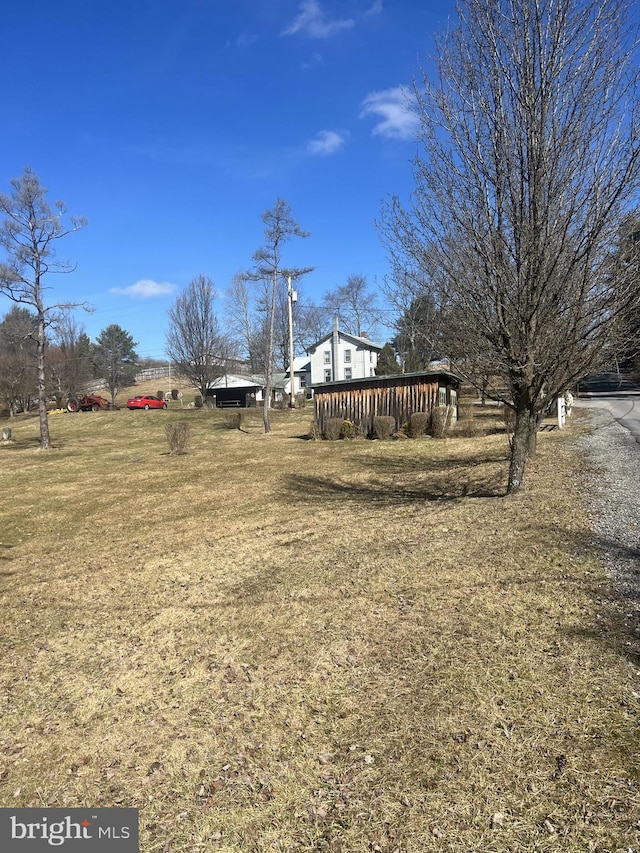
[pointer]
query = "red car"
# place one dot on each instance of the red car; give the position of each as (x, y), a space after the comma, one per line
(146, 401)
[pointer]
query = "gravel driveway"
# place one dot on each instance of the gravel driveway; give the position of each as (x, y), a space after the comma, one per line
(613, 499)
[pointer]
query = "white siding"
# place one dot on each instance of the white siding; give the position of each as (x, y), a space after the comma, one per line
(363, 360)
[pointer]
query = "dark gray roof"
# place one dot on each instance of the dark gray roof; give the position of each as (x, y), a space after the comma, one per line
(364, 342)
(380, 380)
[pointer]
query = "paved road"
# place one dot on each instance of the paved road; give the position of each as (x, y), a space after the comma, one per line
(618, 395)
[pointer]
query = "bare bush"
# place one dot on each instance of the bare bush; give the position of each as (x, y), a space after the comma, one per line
(233, 420)
(177, 433)
(333, 429)
(314, 431)
(384, 426)
(439, 421)
(419, 423)
(466, 426)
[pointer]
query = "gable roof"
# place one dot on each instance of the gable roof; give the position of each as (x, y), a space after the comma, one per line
(300, 363)
(365, 343)
(235, 380)
(445, 375)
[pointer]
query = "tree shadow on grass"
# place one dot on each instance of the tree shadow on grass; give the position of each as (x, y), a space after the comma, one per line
(619, 602)
(13, 444)
(313, 489)
(409, 465)
(4, 547)
(616, 595)
(405, 479)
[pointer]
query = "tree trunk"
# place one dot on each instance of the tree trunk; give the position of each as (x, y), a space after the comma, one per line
(265, 407)
(533, 438)
(45, 441)
(269, 366)
(523, 443)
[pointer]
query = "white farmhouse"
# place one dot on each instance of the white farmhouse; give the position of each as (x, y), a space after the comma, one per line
(339, 356)
(301, 376)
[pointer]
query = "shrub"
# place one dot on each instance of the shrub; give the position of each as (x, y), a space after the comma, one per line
(439, 421)
(467, 429)
(348, 429)
(160, 395)
(178, 436)
(174, 394)
(197, 401)
(301, 400)
(465, 412)
(314, 431)
(361, 430)
(233, 420)
(384, 426)
(418, 424)
(333, 429)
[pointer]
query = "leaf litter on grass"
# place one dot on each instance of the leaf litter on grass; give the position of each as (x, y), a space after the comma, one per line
(272, 644)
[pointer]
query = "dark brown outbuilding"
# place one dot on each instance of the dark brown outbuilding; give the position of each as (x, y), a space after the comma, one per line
(400, 396)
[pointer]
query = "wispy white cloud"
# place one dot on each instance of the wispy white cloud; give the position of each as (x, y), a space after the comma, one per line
(374, 9)
(243, 40)
(313, 61)
(145, 289)
(326, 142)
(393, 109)
(312, 21)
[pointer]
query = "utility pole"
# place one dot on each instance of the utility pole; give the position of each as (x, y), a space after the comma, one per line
(292, 297)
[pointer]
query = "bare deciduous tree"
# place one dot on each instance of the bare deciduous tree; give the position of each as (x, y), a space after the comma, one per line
(355, 305)
(195, 343)
(245, 323)
(529, 159)
(248, 310)
(280, 226)
(18, 377)
(70, 362)
(28, 234)
(313, 322)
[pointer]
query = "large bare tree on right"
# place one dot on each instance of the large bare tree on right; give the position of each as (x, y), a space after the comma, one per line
(529, 160)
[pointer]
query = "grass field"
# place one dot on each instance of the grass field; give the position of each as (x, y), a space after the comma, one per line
(276, 644)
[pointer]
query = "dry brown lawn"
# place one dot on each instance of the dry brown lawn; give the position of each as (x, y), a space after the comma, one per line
(275, 644)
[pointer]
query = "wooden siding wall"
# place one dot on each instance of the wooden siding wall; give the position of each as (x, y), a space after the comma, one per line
(400, 399)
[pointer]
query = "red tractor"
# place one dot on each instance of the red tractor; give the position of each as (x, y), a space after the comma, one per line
(87, 403)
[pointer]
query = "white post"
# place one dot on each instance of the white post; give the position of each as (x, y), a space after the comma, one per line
(562, 415)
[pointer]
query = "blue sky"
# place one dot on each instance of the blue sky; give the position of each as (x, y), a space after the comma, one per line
(173, 125)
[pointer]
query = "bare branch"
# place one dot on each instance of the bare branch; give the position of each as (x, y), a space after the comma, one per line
(530, 159)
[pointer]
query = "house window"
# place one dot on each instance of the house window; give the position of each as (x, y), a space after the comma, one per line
(327, 376)
(327, 356)
(347, 373)
(303, 381)
(347, 356)
(442, 396)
